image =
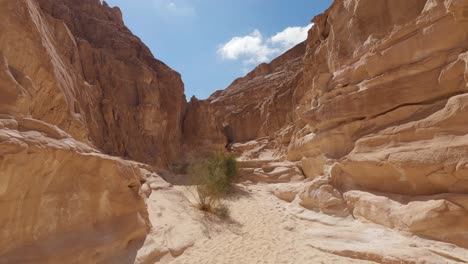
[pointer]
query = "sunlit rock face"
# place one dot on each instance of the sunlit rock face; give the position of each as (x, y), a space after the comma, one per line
(384, 99)
(393, 92)
(63, 200)
(138, 110)
(76, 86)
(85, 72)
(365, 119)
(255, 106)
(374, 100)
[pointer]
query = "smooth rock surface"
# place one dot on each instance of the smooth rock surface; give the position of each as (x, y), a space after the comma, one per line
(60, 196)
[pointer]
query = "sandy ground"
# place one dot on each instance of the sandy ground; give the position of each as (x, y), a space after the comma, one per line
(264, 229)
(259, 231)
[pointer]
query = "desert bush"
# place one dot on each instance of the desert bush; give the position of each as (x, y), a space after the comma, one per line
(213, 178)
(231, 167)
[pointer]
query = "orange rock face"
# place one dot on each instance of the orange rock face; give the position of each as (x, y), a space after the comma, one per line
(374, 102)
(371, 109)
(81, 69)
(75, 84)
(59, 197)
(255, 106)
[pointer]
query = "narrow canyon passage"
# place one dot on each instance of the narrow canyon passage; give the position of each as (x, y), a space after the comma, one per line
(266, 230)
(352, 145)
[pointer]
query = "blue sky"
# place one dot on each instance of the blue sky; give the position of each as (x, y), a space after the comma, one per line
(212, 42)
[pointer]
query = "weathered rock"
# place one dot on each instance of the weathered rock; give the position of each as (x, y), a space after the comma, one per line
(202, 135)
(373, 102)
(384, 103)
(441, 217)
(317, 195)
(371, 109)
(255, 106)
(176, 226)
(270, 171)
(74, 64)
(59, 196)
(423, 157)
(73, 78)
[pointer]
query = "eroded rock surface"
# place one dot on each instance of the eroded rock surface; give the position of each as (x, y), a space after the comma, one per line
(75, 86)
(388, 116)
(75, 65)
(255, 106)
(374, 101)
(59, 196)
(366, 119)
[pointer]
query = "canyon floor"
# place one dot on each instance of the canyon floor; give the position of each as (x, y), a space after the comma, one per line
(264, 229)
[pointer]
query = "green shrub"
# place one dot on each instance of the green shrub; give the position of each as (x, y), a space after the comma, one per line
(231, 167)
(213, 178)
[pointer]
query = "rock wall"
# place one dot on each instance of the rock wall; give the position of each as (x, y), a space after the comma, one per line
(75, 86)
(141, 100)
(393, 76)
(387, 111)
(63, 200)
(85, 72)
(255, 106)
(372, 108)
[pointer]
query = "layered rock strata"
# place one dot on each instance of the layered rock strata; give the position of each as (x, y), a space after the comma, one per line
(61, 199)
(81, 69)
(371, 109)
(374, 102)
(75, 86)
(255, 106)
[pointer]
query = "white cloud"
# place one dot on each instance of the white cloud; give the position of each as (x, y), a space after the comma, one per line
(175, 7)
(290, 36)
(253, 49)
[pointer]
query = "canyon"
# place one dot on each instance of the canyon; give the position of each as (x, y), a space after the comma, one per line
(353, 142)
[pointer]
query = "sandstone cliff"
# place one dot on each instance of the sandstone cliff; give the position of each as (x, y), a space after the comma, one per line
(62, 200)
(81, 69)
(374, 104)
(256, 106)
(365, 120)
(75, 83)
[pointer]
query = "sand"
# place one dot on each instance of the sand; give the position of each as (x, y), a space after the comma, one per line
(264, 229)
(259, 231)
